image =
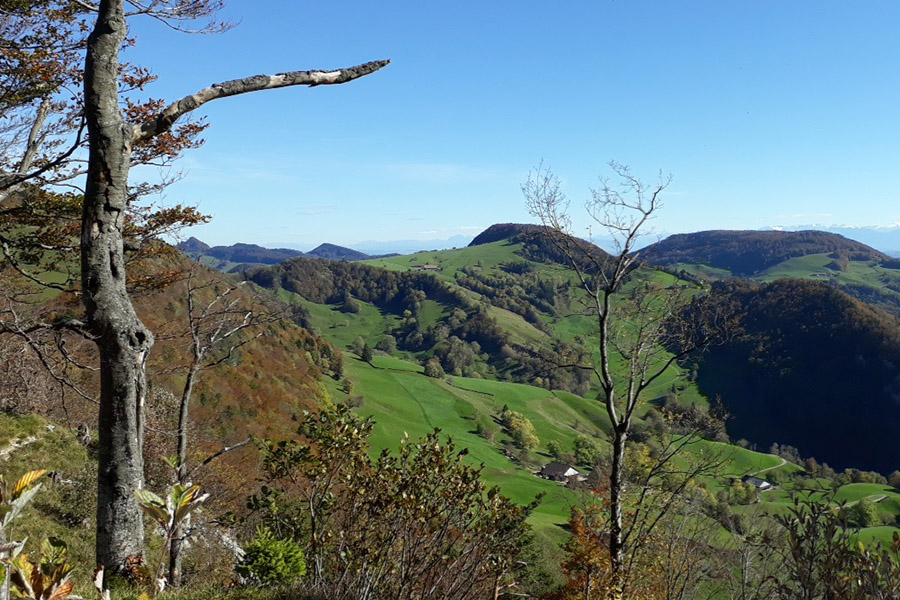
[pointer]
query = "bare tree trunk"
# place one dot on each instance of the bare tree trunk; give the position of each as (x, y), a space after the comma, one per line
(123, 340)
(175, 552)
(178, 536)
(184, 421)
(616, 528)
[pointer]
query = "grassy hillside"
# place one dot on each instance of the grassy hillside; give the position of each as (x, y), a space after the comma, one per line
(486, 256)
(866, 275)
(530, 303)
(401, 400)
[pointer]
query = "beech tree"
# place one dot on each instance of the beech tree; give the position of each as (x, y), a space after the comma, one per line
(123, 340)
(116, 138)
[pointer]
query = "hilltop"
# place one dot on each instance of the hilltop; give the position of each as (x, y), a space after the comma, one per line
(486, 311)
(241, 257)
(505, 231)
(235, 257)
(335, 252)
(537, 244)
(531, 308)
(748, 253)
(859, 270)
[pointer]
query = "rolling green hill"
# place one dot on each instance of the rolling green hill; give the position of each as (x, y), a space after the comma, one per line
(485, 314)
(493, 278)
(862, 272)
(748, 253)
(491, 310)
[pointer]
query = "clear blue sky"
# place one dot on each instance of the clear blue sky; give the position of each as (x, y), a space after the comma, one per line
(766, 113)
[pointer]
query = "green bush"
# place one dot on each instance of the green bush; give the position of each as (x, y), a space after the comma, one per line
(272, 561)
(433, 368)
(522, 432)
(863, 513)
(586, 450)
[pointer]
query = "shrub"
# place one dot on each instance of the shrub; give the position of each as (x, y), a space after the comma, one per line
(366, 355)
(433, 369)
(413, 524)
(554, 449)
(586, 450)
(272, 561)
(894, 479)
(387, 344)
(522, 432)
(863, 513)
(350, 306)
(355, 401)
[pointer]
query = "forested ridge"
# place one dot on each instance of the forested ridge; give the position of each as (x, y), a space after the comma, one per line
(238, 253)
(749, 252)
(466, 339)
(811, 367)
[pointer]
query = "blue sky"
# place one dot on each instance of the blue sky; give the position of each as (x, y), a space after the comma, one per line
(766, 113)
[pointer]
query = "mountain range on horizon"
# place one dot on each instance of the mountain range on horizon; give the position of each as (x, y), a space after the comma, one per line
(885, 239)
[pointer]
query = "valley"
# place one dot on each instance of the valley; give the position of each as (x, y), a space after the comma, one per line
(394, 391)
(386, 301)
(459, 340)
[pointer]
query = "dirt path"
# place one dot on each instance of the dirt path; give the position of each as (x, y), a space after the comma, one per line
(778, 466)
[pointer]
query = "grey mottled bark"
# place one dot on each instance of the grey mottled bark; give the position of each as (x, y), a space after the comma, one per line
(178, 537)
(124, 342)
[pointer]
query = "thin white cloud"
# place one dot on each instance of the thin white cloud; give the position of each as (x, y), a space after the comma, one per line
(312, 210)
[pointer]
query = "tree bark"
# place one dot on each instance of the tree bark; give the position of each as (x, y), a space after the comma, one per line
(616, 495)
(164, 120)
(181, 473)
(123, 340)
(176, 554)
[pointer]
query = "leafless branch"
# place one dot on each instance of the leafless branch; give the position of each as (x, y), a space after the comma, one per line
(217, 454)
(164, 121)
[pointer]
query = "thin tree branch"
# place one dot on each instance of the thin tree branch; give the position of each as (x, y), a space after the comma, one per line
(216, 455)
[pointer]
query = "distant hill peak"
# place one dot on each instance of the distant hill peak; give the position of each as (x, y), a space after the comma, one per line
(745, 252)
(238, 253)
(504, 231)
(335, 252)
(193, 246)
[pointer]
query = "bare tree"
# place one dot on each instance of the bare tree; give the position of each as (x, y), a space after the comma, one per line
(637, 334)
(221, 320)
(749, 564)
